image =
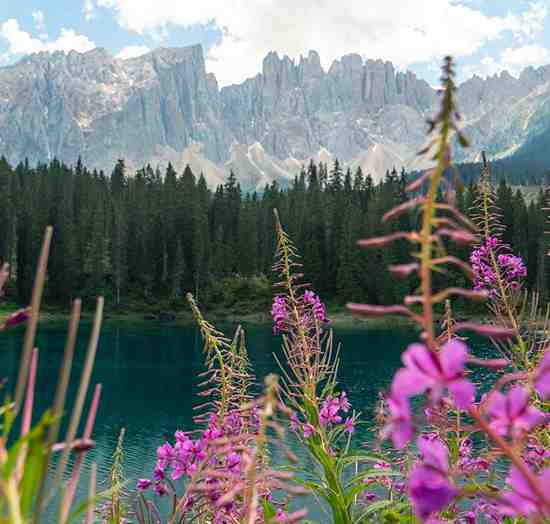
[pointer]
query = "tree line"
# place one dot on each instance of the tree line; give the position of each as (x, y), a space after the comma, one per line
(152, 236)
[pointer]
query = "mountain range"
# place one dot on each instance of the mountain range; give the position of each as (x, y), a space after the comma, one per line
(165, 107)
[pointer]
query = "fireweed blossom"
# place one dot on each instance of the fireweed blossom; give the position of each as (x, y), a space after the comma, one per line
(294, 422)
(329, 411)
(511, 413)
(468, 464)
(521, 500)
(429, 486)
(425, 370)
(535, 453)
(308, 430)
(279, 314)
(313, 312)
(19, 317)
(319, 311)
(400, 426)
(542, 377)
(511, 268)
(185, 456)
(143, 484)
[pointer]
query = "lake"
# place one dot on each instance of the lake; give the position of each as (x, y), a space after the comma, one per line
(150, 375)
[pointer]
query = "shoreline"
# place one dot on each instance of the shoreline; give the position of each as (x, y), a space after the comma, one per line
(338, 318)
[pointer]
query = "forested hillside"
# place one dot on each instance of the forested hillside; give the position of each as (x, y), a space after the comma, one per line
(150, 237)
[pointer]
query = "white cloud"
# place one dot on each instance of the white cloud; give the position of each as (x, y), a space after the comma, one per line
(38, 17)
(132, 51)
(399, 30)
(513, 60)
(89, 9)
(22, 43)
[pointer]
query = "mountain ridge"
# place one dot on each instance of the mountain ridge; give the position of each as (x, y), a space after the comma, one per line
(165, 106)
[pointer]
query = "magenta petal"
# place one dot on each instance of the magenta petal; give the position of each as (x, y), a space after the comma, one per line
(497, 405)
(533, 417)
(402, 433)
(518, 482)
(401, 427)
(408, 383)
(419, 358)
(434, 453)
(463, 393)
(514, 504)
(542, 377)
(430, 491)
(518, 398)
(453, 357)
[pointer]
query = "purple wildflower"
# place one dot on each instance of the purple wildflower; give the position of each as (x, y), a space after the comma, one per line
(143, 484)
(319, 311)
(369, 496)
(20, 316)
(467, 464)
(344, 402)
(329, 411)
(349, 426)
(542, 377)
(512, 414)
(400, 427)
(521, 500)
(158, 474)
(279, 314)
(165, 454)
(289, 518)
(429, 487)
(309, 430)
(233, 462)
(426, 370)
(160, 489)
(511, 268)
(535, 453)
(294, 422)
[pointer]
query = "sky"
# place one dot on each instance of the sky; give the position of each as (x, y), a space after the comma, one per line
(485, 36)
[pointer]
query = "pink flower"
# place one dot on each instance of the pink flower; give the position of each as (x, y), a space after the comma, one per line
(319, 311)
(279, 314)
(511, 269)
(521, 500)
(512, 414)
(329, 411)
(233, 463)
(349, 426)
(400, 427)
(344, 402)
(143, 484)
(160, 489)
(20, 316)
(158, 474)
(429, 486)
(309, 430)
(294, 422)
(426, 370)
(165, 454)
(542, 377)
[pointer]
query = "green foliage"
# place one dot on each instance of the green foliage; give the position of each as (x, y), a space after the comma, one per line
(147, 239)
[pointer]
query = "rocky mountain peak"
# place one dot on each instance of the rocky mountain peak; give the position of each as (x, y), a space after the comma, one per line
(164, 106)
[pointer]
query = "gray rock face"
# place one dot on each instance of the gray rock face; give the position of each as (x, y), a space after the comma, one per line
(165, 106)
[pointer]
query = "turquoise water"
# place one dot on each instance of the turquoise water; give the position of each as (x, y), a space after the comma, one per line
(150, 376)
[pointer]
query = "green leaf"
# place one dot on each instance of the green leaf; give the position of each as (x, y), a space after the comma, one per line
(34, 469)
(371, 473)
(373, 508)
(269, 511)
(77, 513)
